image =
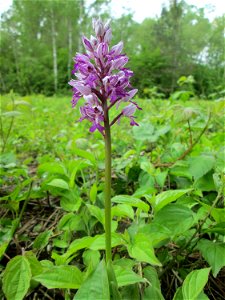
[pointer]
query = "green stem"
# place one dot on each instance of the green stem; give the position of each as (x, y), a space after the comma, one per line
(107, 185)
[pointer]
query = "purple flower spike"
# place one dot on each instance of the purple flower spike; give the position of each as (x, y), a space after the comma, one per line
(102, 80)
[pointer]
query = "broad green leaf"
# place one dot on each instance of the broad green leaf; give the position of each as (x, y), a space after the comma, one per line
(35, 265)
(143, 132)
(153, 291)
(205, 183)
(71, 222)
(217, 228)
(52, 168)
(133, 201)
(151, 275)
(213, 253)
(59, 183)
(142, 250)
(126, 276)
(146, 166)
(201, 165)
(157, 233)
(97, 212)
(93, 193)
(131, 292)
(70, 201)
(167, 197)
(78, 244)
(123, 210)
(175, 217)
(96, 286)
(91, 257)
(7, 235)
(202, 296)
(61, 277)
(178, 295)
(85, 154)
(217, 213)
(99, 241)
(194, 283)
(181, 169)
(161, 177)
(42, 239)
(16, 278)
(79, 165)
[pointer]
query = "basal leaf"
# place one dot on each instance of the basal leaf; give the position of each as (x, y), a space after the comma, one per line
(16, 278)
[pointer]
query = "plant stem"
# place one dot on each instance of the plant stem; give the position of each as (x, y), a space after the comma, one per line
(107, 185)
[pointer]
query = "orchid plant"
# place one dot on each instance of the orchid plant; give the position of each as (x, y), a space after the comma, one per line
(103, 81)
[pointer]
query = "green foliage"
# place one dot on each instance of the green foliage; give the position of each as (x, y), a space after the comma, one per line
(213, 253)
(167, 203)
(194, 283)
(16, 278)
(66, 277)
(180, 42)
(96, 286)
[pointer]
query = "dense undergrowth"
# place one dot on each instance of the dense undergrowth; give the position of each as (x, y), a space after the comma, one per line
(168, 202)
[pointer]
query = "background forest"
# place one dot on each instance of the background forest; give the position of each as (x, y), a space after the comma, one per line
(168, 174)
(39, 39)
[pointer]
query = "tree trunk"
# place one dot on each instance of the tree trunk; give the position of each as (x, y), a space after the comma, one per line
(69, 48)
(54, 52)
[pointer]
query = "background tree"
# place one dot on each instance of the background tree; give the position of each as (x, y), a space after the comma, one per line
(39, 39)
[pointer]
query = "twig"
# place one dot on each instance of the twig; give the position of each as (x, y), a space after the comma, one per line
(204, 220)
(190, 132)
(186, 152)
(46, 295)
(171, 263)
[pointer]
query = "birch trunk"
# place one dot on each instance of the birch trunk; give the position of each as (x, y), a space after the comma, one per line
(69, 49)
(54, 52)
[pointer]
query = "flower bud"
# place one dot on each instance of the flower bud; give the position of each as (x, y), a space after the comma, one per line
(108, 36)
(98, 27)
(119, 62)
(117, 49)
(102, 50)
(87, 44)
